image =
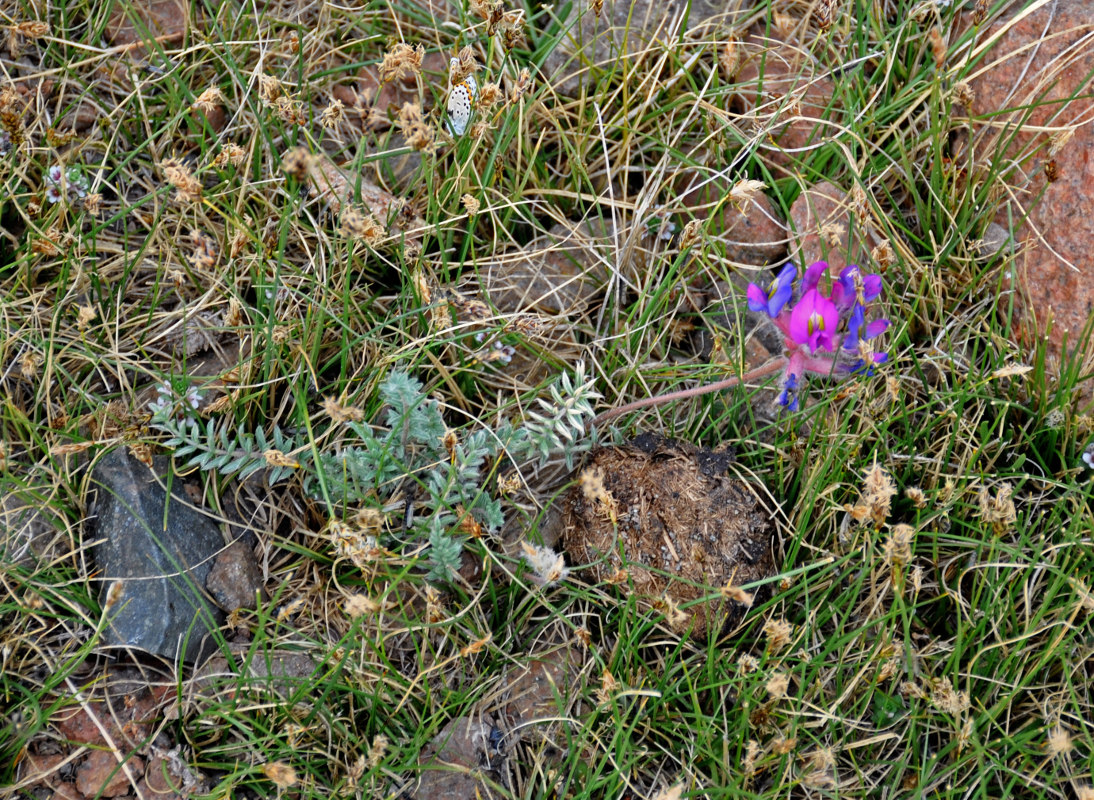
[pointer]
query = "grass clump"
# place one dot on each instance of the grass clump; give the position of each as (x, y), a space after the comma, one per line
(254, 245)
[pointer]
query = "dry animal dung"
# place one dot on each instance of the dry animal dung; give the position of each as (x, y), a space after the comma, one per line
(664, 516)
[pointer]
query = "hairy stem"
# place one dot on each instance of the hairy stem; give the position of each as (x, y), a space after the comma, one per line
(774, 365)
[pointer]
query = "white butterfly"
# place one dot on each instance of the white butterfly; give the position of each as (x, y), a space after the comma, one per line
(461, 101)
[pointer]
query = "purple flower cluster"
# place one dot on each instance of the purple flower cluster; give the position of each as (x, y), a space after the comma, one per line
(825, 330)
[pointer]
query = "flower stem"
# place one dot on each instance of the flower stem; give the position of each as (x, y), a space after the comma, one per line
(774, 365)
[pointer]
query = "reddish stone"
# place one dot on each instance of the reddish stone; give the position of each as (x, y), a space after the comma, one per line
(101, 774)
(165, 20)
(753, 235)
(126, 722)
(1050, 60)
(67, 791)
(40, 768)
(778, 83)
(816, 218)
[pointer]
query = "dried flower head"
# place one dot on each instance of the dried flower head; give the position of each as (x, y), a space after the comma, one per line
(999, 511)
(463, 65)
(282, 775)
(731, 58)
(377, 750)
(359, 224)
(777, 631)
(208, 100)
(269, 89)
(777, 685)
(333, 114)
(877, 493)
(963, 94)
(413, 126)
(401, 60)
(883, 255)
(1059, 742)
(487, 9)
(736, 594)
(339, 412)
(232, 154)
(489, 96)
(596, 493)
(943, 697)
(744, 192)
(938, 47)
(180, 176)
(691, 235)
(1058, 141)
(290, 111)
(898, 550)
(784, 24)
(548, 567)
(747, 664)
(522, 87)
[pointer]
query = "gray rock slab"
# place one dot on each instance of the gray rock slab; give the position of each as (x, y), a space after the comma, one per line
(152, 556)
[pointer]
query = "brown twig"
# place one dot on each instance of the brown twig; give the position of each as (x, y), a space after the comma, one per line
(766, 369)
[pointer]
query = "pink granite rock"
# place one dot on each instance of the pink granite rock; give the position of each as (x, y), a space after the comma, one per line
(1036, 63)
(754, 235)
(825, 227)
(787, 93)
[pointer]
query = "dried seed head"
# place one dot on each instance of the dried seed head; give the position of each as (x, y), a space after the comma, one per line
(232, 154)
(403, 59)
(963, 95)
(296, 162)
(359, 224)
(744, 192)
(980, 12)
(289, 111)
(333, 114)
(208, 100)
(547, 566)
(877, 493)
(777, 631)
(489, 96)
(1058, 141)
(784, 24)
(269, 88)
(938, 47)
(777, 685)
(180, 176)
(1059, 742)
(471, 204)
(916, 495)
(731, 59)
(282, 775)
(826, 13)
(522, 87)
(736, 594)
(691, 235)
(339, 412)
(898, 550)
(414, 128)
(883, 256)
(999, 511)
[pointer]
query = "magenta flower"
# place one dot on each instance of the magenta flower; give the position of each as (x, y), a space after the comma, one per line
(813, 321)
(825, 331)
